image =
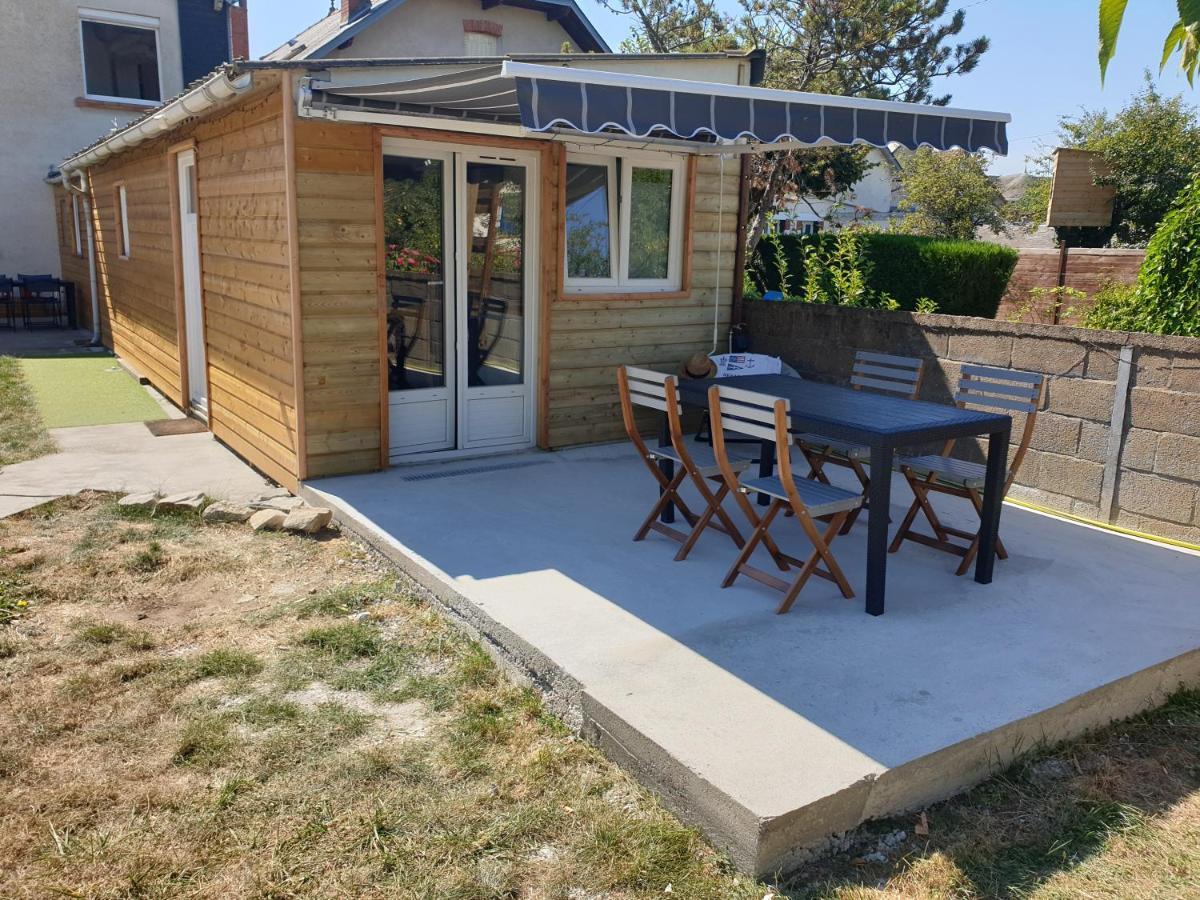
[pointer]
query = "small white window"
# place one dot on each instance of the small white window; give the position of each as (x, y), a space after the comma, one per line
(120, 57)
(479, 44)
(122, 222)
(624, 223)
(75, 224)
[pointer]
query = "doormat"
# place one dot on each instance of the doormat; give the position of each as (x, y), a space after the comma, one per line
(168, 427)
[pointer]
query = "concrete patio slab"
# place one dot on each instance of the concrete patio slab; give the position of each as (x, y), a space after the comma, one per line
(774, 733)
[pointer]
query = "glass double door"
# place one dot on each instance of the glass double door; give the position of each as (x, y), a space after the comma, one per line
(460, 298)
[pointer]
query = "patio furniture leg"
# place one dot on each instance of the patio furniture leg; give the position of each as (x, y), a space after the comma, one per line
(816, 464)
(768, 542)
(669, 494)
(820, 553)
(993, 491)
(865, 481)
(766, 468)
(740, 565)
(973, 549)
(920, 489)
(714, 508)
(666, 467)
(879, 497)
(977, 500)
(905, 524)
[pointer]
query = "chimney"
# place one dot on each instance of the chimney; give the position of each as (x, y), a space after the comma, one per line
(352, 9)
(239, 32)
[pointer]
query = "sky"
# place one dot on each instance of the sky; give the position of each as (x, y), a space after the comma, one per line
(1041, 65)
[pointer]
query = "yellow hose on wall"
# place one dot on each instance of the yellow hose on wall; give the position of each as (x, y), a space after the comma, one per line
(1057, 513)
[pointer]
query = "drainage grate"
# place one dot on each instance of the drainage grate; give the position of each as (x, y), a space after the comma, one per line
(473, 470)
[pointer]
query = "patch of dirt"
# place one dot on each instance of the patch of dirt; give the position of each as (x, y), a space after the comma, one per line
(392, 721)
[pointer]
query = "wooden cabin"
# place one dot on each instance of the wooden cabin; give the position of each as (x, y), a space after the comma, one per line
(342, 265)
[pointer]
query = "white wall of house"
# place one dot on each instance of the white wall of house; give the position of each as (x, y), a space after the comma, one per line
(435, 28)
(874, 200)
(42, 124)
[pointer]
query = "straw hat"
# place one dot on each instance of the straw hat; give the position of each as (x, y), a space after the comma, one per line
(698, 366)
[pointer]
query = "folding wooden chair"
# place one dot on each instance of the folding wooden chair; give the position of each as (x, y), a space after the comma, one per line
(642, 387)
(1003, 389)
(766, 418)
(877, 372)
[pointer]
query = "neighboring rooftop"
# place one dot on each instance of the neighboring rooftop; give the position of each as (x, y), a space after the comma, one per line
(347, 18)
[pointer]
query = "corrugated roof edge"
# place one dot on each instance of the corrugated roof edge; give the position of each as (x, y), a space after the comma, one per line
(236, 69)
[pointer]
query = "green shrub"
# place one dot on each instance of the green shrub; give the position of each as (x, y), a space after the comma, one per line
(963, 278)
(1168, 288)
(1114, 307)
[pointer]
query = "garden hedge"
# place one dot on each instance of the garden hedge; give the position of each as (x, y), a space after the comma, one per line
(964, 278)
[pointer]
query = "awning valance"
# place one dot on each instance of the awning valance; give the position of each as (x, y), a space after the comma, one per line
(556, 98)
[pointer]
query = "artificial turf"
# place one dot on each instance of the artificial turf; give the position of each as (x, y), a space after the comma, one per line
(87, 390)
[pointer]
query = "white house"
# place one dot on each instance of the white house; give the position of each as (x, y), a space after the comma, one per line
(875, 200)
(78, 69)
(443, 28)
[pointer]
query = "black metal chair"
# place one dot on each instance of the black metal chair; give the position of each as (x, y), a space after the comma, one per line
(43, 291)
(8, 301)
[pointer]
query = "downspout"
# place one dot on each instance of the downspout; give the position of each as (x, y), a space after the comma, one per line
(93, 288)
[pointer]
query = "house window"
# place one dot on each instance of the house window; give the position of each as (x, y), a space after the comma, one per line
(75, 225)
(122, 210)
(120, 57)
(624, 223)
(481, 37)
(476, 44)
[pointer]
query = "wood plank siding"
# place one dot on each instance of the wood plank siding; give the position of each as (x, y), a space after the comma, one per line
(242, 191)
(137, 291)
(589, 339)
(74, 266)
(293, 285)
(337, 187)
(1075, 198)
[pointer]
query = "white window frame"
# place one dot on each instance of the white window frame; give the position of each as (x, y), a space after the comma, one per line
(620, 182)
(75, 224)
(127, 20)
(125, 250)
(582, 285)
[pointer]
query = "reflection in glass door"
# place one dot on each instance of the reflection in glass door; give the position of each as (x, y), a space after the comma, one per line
(460, 298)
(420, 321)
(494, 232)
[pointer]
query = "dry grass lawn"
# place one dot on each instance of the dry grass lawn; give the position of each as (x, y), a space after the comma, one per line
(201, 711)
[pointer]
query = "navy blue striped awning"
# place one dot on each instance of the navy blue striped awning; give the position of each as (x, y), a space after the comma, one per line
(551, 98)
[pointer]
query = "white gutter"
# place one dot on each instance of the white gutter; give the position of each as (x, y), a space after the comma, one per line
(514, 69)
(219, 88)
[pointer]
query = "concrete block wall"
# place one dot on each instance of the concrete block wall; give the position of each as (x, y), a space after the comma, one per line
(1153, 479)
(1087, 269)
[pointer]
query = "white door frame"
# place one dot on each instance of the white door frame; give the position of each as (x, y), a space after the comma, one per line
(529, 253)
(192, 282)
(456, 157)
(444, 395)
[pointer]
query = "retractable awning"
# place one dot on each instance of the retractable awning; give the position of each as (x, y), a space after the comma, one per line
(543, 98)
